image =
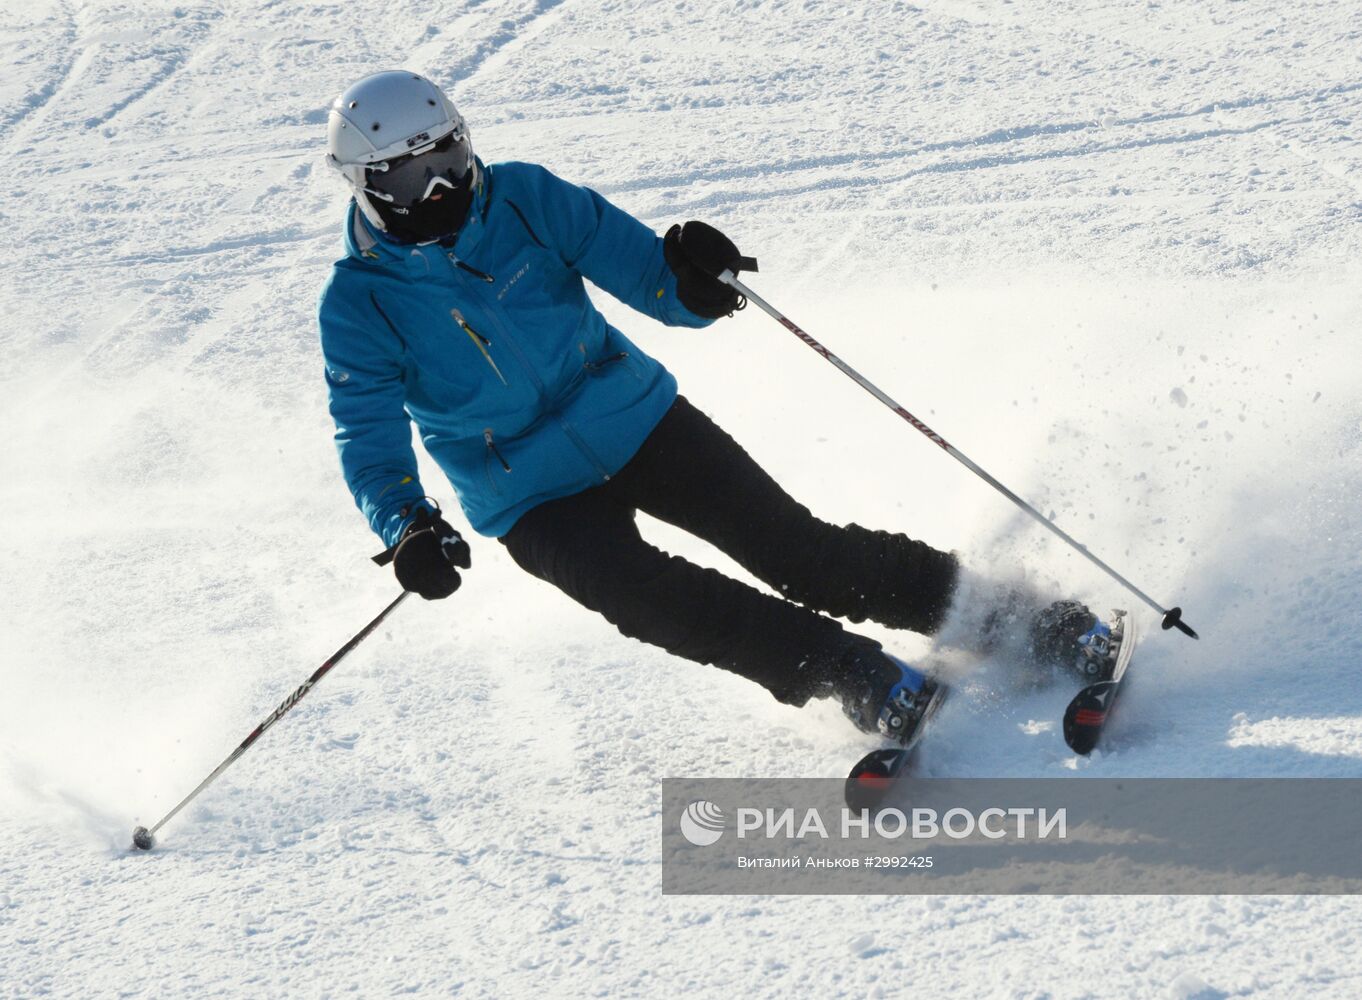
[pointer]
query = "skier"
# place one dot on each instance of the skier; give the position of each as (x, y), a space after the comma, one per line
(460, 306)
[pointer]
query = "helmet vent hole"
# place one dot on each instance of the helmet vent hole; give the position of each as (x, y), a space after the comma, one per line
(374, 126)
(354, 104)
(430, 102)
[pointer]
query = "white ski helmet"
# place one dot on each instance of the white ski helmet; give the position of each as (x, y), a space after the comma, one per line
(383, 116)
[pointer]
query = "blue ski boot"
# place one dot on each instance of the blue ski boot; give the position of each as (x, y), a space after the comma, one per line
(1069, 636)
(881, 694)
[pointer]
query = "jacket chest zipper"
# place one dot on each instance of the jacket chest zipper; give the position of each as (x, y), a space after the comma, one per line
(479, 341)
(480, 275)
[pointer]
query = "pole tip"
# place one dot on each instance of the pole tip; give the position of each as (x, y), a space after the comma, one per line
(1173, 619)
(142, 839)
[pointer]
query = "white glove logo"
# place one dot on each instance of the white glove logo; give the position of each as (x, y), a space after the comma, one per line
(702, 823)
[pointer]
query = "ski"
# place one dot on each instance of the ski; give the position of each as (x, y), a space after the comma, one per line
(875, 774)
(1088, 712)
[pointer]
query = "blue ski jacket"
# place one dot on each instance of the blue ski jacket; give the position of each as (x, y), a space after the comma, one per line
(520, 389)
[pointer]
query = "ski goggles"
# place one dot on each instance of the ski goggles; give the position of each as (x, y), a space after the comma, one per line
(412, 178)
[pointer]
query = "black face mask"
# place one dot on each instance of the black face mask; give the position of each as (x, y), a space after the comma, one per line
(439, 217)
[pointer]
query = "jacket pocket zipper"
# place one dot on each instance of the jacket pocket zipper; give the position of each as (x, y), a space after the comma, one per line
(493, 449)
(596, 366)
(479, 341)
(480, 275)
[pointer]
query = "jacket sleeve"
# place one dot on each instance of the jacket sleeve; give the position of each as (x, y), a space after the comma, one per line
(603, 243)
(363, 357)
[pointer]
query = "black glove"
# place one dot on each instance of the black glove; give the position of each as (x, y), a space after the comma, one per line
(698, 253)
(427, 555)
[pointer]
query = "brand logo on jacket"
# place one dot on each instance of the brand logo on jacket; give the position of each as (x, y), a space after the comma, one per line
(524, 269)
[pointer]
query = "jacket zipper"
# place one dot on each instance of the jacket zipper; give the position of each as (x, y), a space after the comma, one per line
(492, 447)
(480, 341)
(480, 275)
(596, 366)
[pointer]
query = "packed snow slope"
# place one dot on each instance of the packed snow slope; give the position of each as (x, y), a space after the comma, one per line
(1110, 250)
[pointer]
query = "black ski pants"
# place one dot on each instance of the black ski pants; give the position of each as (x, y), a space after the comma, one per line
(690, 473)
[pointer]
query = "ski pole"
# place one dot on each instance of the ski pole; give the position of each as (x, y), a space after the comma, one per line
(144, 839)
(1172, 617)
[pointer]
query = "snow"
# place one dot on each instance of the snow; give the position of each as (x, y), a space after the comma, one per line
(1109, 250)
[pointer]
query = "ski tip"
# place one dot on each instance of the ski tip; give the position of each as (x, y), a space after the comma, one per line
(1173, 619)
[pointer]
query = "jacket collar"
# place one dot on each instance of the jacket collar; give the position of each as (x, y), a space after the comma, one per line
(363, 241)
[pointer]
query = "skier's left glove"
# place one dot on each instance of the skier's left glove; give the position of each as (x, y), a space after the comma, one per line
(698, 253)
(430, 555)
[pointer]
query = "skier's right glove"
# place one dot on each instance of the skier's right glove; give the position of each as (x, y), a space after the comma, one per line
(427, 556)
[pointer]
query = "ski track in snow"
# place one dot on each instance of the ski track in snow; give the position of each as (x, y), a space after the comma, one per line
(37, 97)
(1108, 249)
